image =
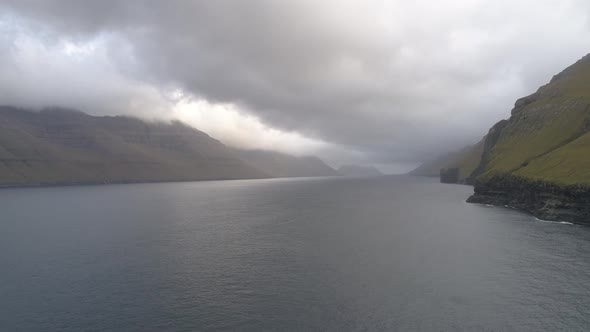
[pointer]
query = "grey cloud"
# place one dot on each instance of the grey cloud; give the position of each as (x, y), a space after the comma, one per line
(398, 81)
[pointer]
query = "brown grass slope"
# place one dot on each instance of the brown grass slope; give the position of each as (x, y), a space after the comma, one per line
(66, 147)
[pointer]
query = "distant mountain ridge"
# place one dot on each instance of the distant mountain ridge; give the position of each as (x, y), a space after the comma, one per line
(63, 147)
(356, 170)
(278, 164)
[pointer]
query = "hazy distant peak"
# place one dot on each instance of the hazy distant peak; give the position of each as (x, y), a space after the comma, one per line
(279, 164)
(357, 170)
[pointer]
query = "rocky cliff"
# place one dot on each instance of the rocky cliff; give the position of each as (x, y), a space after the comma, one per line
(539, 159)
(545, 200)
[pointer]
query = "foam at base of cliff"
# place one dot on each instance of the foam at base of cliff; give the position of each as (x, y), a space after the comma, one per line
(542, 199)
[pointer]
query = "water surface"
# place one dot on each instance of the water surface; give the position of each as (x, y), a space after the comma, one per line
(389, 253)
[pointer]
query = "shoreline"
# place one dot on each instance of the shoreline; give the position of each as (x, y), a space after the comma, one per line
(543, 200)
(97, 184)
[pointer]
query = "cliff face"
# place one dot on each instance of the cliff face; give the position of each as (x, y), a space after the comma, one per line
(67, 147)
(545, 200)
(539, 159)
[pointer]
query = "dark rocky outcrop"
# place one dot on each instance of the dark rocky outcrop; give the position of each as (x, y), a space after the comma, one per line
(544, 200)
(449, 175)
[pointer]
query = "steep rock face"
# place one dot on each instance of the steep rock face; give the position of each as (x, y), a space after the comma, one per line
(545, 200)
(539, 159)
(278, 164)
(57, 146)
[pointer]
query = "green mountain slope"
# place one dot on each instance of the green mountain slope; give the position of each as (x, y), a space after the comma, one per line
(67, 147)
(569, 164)
(546, 136)
(539, 159)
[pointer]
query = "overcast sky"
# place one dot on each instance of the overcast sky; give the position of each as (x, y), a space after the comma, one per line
(364, 81)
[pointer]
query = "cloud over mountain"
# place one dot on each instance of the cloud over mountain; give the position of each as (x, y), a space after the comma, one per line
(379, 81)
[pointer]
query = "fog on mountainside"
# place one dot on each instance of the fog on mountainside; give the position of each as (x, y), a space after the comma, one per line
(303, 165)
(538, 160)
(391, 83)
(466, 160)
(357, 170)
(544, 139)
(278, 164)
(57, 146)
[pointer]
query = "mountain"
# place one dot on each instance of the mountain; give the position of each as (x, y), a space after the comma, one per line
(278, 164)
(539, 159)
(465, 160)
(57, 146)
(356, 170)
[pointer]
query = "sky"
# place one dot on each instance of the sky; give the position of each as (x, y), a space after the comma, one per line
(389, 83)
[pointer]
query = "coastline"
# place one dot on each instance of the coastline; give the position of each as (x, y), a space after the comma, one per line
(106, 183)
(543, 200)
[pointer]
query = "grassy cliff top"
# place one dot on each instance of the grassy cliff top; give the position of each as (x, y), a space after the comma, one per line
(546, 137)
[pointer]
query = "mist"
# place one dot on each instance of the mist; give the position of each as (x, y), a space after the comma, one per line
(372, 82)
